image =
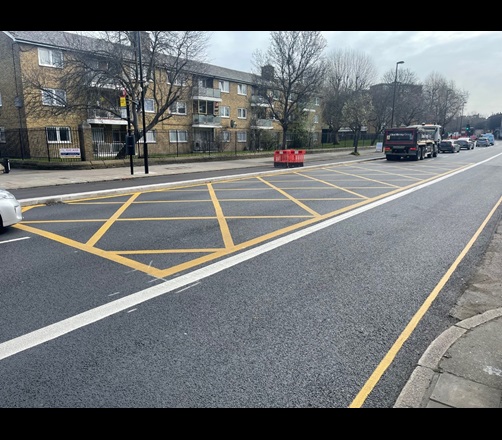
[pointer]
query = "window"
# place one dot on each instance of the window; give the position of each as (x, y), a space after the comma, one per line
(51, 58)
(202, 107)
(58, 134)
(242, 136)
(149, 106)
(151, 137)
(178, 136)
(180, 79)
(242, 89)
(206, 82)
(54, 97)
(178, 108)
(317, 101)
(242, 113)
(2, 135)
(99, 64)
(225, 136)
(316, 119)
(225, 111)
(224, 86)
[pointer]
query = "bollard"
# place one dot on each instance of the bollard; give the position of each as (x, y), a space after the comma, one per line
(6, 165)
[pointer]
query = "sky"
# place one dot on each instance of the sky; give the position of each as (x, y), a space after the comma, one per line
(472, 60)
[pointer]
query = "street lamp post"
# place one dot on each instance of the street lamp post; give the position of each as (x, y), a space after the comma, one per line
(145, 144)
(394, 98)
(461, 116)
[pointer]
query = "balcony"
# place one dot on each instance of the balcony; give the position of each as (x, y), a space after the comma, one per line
(206, 121)
(102, 116)
(206, 93)
(259, 101)
(262, 124)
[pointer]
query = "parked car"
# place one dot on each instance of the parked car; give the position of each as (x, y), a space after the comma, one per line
(10, 210)
(466, 143)
(483, 142)
(490, 137)
(449, 146)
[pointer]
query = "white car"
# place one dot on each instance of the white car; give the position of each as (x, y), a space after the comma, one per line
(10, 210)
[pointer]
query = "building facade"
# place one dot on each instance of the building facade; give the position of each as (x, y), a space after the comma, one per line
(223, 112)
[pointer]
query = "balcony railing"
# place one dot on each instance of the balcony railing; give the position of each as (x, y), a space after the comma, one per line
(209, 120)
(105, 114)
(263, 123)
(205, 92)
(259, 100)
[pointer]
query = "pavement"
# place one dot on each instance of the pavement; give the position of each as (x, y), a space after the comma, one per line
(462, 368)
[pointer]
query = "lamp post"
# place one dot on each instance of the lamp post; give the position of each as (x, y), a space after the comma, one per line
(461, 116)
(145, 144)
(394, 98)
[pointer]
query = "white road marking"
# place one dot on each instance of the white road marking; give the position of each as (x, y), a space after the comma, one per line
(16, 239)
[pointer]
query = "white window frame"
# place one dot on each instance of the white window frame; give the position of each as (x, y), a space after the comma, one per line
(149, 105)
(316, 119)
(151, 137)
(224, 86)
(53, 97)
(242, 89)
(225, 111)
(317, 101)
(242, 136)
(225, 136)
(178, 136)
(242, 113)
(2, 135)
(178, 108)
(50, 57)
(180, 80)
(58, 131)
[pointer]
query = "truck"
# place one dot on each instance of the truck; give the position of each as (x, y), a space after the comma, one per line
(414, 142)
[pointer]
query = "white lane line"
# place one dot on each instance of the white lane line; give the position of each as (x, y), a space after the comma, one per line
(15, 239)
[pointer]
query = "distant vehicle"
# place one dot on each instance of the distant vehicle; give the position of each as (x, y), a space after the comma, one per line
(483, 142)
(466, 143)
(490, 137)
(414, 142)
(449, 146)
(10, 210)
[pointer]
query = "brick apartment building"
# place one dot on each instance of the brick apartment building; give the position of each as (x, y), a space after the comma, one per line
(223, 112)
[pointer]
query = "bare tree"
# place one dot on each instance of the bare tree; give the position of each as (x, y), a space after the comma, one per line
(356, 114)
(98, 70)
(445, 100)
(408, 103)
(347, 72)
(292, 72)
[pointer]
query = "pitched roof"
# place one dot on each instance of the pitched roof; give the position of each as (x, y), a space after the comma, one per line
(69, 40)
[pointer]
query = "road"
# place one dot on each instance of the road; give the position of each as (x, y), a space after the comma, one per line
(309, 288)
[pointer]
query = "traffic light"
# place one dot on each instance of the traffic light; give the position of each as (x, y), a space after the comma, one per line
(468, 128)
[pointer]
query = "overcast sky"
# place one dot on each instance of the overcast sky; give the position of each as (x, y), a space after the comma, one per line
(471, 59)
